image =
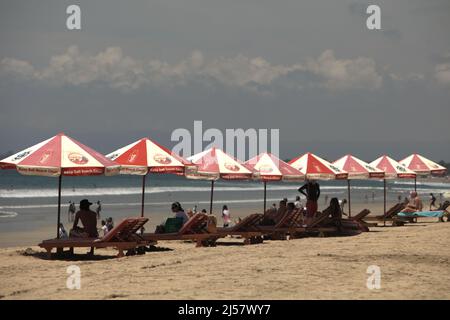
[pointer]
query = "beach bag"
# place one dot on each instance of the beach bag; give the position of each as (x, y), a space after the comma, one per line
(173, 225)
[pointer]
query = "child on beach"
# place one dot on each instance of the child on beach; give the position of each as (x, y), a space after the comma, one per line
(226, 216)
(109, 223)
(104, 228)
(71, 212)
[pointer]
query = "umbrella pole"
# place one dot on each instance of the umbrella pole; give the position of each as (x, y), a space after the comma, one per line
(349, 200)
(265, 189)
(211, 201)
(143, 194)
(415, 183)
(384, 216)
(59, 205)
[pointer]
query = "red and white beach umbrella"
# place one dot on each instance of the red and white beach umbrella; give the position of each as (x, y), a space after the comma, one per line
(357, 169)
(146, 156)
(60, 156)
(422, 166)
(314, 167)
(267, 167)
(392, 170)
(214, 164)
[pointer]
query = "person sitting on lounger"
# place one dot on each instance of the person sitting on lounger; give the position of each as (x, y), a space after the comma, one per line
(336, 213)
(414, 204)
(88, 219)
(271, 216)
(179, 212)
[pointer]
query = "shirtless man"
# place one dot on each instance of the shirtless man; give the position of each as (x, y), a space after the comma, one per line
(311, 190)
(88, 219)
(415, 203)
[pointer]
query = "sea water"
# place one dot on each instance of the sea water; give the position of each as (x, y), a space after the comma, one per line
(30, 202)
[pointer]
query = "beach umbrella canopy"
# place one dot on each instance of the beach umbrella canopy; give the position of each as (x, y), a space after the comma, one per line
(146, 156)
(314, 167)
(356, 169)
(267, 167)
(392, 170)
(214, 164)
(422, 166)
(60, 156)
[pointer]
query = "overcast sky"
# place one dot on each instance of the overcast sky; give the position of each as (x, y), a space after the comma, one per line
(309, 68)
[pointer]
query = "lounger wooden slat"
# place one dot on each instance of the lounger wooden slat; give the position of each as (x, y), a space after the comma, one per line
(360, 216)
(291, 219)
(248, 229)
(193, 229)
(123, 236)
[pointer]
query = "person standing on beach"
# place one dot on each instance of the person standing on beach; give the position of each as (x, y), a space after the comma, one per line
(432, 202)
(311, 190)
(298, 202)
(71, 212)
(226, 216)
(99, 208)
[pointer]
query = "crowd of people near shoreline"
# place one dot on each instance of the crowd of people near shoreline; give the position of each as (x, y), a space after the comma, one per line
(310, 190)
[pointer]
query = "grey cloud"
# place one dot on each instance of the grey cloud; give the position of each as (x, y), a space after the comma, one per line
(442, 73)
(113, 68)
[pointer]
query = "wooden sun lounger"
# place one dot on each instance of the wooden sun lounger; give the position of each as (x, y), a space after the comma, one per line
(123, 237)
(361, 216)
(194, 229)
(295, 229)
(398, 207)
(290, 220)
(248, 229)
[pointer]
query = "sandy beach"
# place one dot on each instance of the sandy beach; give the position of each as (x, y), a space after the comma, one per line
(414, 261)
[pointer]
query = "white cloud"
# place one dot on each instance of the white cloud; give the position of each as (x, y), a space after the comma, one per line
(345, 74)
(442, 73)
(112, 68)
